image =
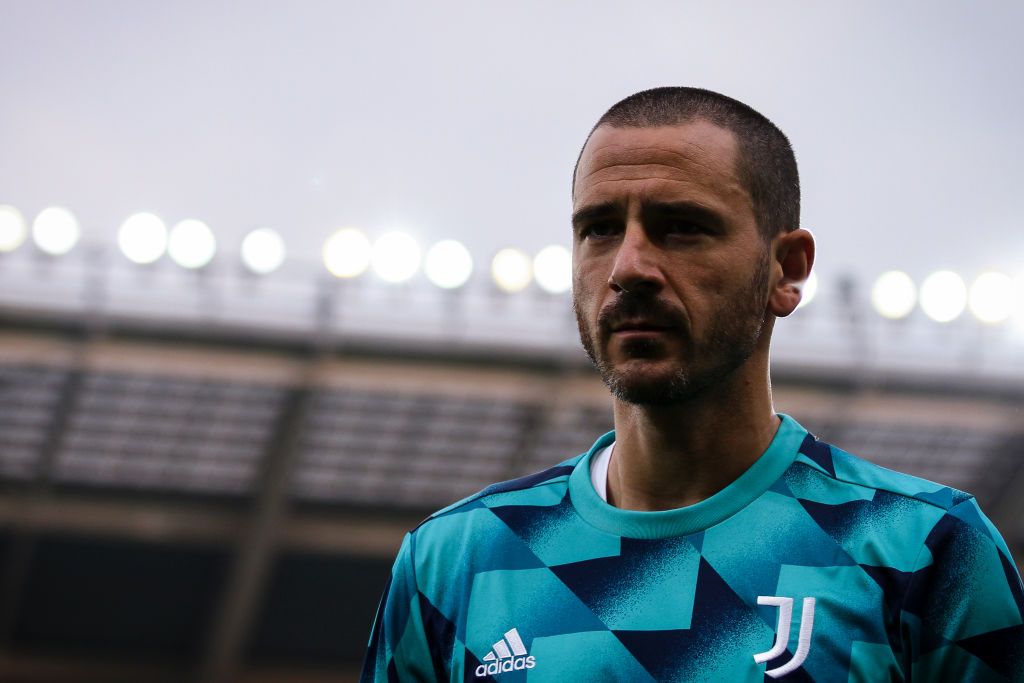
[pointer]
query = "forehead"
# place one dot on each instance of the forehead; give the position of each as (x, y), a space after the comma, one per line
(694, 160)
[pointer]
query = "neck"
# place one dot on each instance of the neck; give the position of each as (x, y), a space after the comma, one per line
(671, 456)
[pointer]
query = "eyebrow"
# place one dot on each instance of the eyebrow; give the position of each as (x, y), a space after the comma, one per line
(686, 209)
(593, 212)
(681, 208)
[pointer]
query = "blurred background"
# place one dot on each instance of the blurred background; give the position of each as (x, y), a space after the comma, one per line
(278, 280)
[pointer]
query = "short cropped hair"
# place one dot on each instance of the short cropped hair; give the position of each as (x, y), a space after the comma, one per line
(766, 163)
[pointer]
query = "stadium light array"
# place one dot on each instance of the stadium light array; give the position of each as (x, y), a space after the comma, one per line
(55, 231)
(894, 295)
(191, 244)
(13, 230)
(943, 296)
(142, 238)
(395, 257)
(511, 270)
(448, 264)
(552, 269)
(346, 253)
(991, 298)
(263, 251)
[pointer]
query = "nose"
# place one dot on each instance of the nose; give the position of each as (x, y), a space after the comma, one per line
(636, 268)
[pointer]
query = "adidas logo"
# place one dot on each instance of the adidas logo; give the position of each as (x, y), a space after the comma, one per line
(508, 654)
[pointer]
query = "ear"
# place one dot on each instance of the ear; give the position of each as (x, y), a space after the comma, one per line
(793, 252)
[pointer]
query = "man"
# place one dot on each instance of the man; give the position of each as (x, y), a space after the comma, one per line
(707, 538)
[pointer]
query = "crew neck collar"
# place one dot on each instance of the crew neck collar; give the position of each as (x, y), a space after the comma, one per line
(758, 478)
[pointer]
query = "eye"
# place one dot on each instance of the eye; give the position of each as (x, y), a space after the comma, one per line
(683, 228)
(598, 230)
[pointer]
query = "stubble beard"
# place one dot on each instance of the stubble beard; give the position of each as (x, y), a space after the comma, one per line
(730, 341)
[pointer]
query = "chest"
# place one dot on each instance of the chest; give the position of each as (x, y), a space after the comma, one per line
(683, 609)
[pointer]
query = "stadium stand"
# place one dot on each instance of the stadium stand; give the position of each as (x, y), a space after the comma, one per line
(173, 509)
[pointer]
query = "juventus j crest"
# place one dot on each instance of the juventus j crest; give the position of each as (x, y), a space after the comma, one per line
(803, 645)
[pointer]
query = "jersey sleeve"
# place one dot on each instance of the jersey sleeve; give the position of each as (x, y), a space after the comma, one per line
(963, 614)
(398, 649)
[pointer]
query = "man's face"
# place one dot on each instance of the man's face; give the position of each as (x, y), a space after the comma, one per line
(670, 273)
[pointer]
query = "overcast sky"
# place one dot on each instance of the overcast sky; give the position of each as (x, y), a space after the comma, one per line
(463, 119)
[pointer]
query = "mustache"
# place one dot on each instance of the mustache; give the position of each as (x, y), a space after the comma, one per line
(627, 307)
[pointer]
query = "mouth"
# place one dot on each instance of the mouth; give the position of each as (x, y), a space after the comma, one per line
(640, 327)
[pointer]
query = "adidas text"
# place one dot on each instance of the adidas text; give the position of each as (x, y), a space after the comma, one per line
(506, 665)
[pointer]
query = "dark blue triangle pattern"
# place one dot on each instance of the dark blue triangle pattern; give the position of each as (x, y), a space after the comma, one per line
(531, 522)
(719, 618)
(820, 452)
(600, 583)
(440, 635)
(894, 584)
(529, 480)
(854, 521)
(938, 599)
(1003, 650)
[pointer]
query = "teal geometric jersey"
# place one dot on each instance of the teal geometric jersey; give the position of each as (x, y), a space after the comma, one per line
(814, 565)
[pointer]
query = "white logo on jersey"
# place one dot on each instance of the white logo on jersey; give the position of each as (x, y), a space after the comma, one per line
(508, 654)
(803, 645)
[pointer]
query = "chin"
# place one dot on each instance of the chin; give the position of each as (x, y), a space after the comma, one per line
(649, 383)
(649, 388)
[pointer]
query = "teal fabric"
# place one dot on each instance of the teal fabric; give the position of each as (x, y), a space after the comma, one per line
(694, 518)
(884, 577)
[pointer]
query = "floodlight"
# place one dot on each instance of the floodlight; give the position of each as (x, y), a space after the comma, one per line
(1018, 301)
(894, 295)
(263, 251)
(55, 231)
(191, 244)
(808, 289)
(943, 296)
(552, 268)
(511, 270)
(448, 264)
(12, 228)
(992, 297)
(347, 253)
(142, 238)
(395, 257)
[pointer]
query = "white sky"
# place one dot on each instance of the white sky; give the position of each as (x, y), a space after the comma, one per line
(463, 119)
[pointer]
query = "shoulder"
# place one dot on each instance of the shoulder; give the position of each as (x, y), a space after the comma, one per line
(879, 516)
(856, 474)
(472, 513)
(889, 519)
(942, 566)
(470, 536)
(521, 488)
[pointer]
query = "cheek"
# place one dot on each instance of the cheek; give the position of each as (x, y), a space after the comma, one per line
(722, 277)
(703, 285)
(585, 287)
